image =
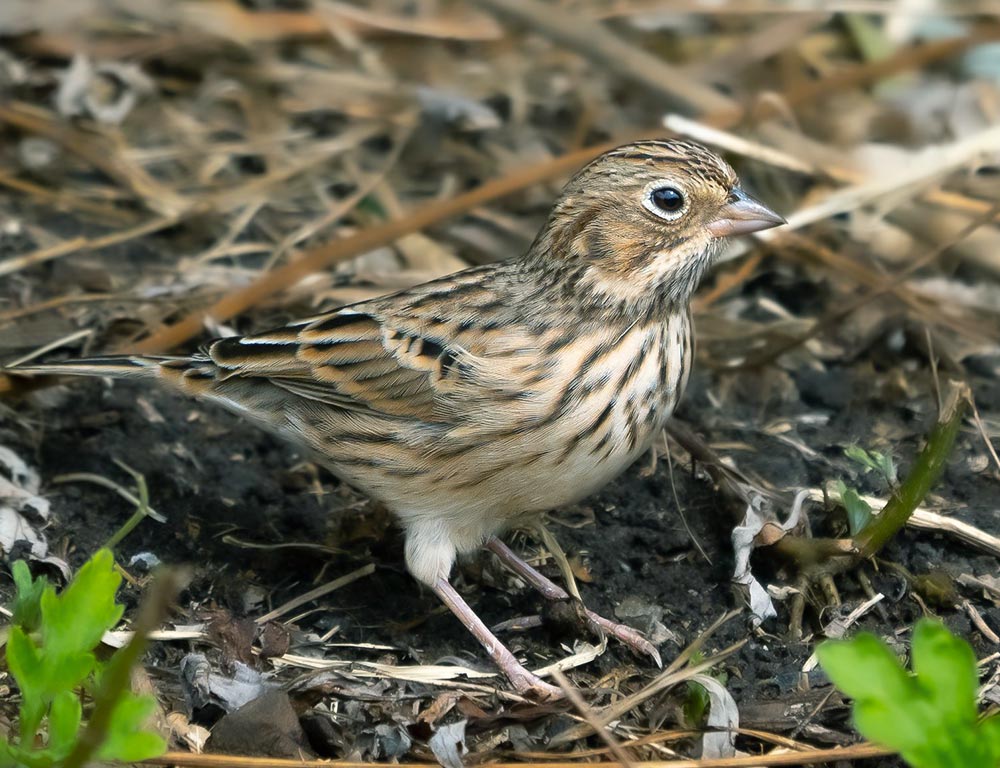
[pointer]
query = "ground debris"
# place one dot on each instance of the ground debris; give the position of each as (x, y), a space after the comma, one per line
(220, 167)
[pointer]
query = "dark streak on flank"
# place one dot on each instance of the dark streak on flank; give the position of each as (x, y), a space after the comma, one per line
(599, 423)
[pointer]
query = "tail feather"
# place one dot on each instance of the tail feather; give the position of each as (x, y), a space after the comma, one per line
(115, 366)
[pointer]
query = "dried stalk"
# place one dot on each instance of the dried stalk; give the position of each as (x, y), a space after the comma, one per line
(603, 47)
(855, 752)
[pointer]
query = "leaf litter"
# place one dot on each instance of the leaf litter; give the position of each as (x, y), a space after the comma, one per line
(171, 171)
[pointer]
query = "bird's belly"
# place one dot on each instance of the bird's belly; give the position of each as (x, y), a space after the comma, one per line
(538, 469)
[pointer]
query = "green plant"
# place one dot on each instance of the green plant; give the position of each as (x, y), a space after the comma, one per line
(874, 461)
(51, 654)
(929, 717)
(859, 513)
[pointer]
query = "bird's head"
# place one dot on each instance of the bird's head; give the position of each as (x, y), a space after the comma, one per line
(644, 220)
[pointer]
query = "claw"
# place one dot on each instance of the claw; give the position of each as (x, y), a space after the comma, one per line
(625, 634)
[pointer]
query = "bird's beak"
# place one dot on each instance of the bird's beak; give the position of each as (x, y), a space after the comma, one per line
(742, 215)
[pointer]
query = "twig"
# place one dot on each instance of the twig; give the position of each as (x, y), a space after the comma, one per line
(142, 511)
(100, 152)
(622, 8)
(855, 752)
(888, 285)
(924, 519)
(982, 430)
(559, 555)
(89, 477)
(268, 285)
(366, 240)
(836, 554)
(312, 594)
(68, 339)
(675, 673)
(908, 58)
(587, 714)
(77, 244)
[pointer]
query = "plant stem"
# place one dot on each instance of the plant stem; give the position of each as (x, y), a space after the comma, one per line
(922, 476)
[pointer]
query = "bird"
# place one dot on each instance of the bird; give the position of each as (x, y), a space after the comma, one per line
(477, 401)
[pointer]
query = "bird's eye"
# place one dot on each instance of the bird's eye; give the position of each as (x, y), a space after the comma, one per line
(668, 199)
(667, 202)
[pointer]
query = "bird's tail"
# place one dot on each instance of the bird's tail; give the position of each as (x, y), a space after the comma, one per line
(115, 366)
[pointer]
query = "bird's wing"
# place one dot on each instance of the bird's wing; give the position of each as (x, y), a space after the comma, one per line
(363, 359)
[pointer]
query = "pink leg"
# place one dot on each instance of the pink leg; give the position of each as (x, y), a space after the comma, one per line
(551, 591)
(523, 681)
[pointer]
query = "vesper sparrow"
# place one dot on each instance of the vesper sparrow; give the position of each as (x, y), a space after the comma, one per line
(468, 402)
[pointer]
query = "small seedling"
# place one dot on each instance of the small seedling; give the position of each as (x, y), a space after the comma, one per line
(930, 716)
(874, 461)
(859, 513)
(50, 654)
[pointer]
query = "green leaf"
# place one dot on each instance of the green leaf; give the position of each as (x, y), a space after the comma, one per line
(23, 659)
(859, 455)
(946, 671)
(28, 595)
(25, 665)
(885, 723)
(930, 718)
(873, 461)
(887, 467)
(77, 619)
(696, 704)
(15, 756)
(64, 723)
(126, 739)
(133, 747)
(859, 513)
(856, 665)
(989, 737)
(50, 654)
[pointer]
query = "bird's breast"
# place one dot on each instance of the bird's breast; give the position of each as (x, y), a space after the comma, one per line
(624, 397)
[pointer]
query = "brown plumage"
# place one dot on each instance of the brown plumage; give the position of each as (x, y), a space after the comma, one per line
(468, 402)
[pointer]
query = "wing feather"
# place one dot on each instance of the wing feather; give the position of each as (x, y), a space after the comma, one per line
(365, 361)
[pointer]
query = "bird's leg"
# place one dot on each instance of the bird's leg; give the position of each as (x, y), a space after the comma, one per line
(552, 591)
(523, 681)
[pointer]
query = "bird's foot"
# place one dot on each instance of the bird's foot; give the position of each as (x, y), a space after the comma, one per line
(551, 591)
(626, 635)
(530, 685)
(524, 682)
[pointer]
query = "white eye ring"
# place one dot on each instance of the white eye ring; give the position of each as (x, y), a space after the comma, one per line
(655, 190)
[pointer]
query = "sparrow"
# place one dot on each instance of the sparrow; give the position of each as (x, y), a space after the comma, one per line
(472, 402)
